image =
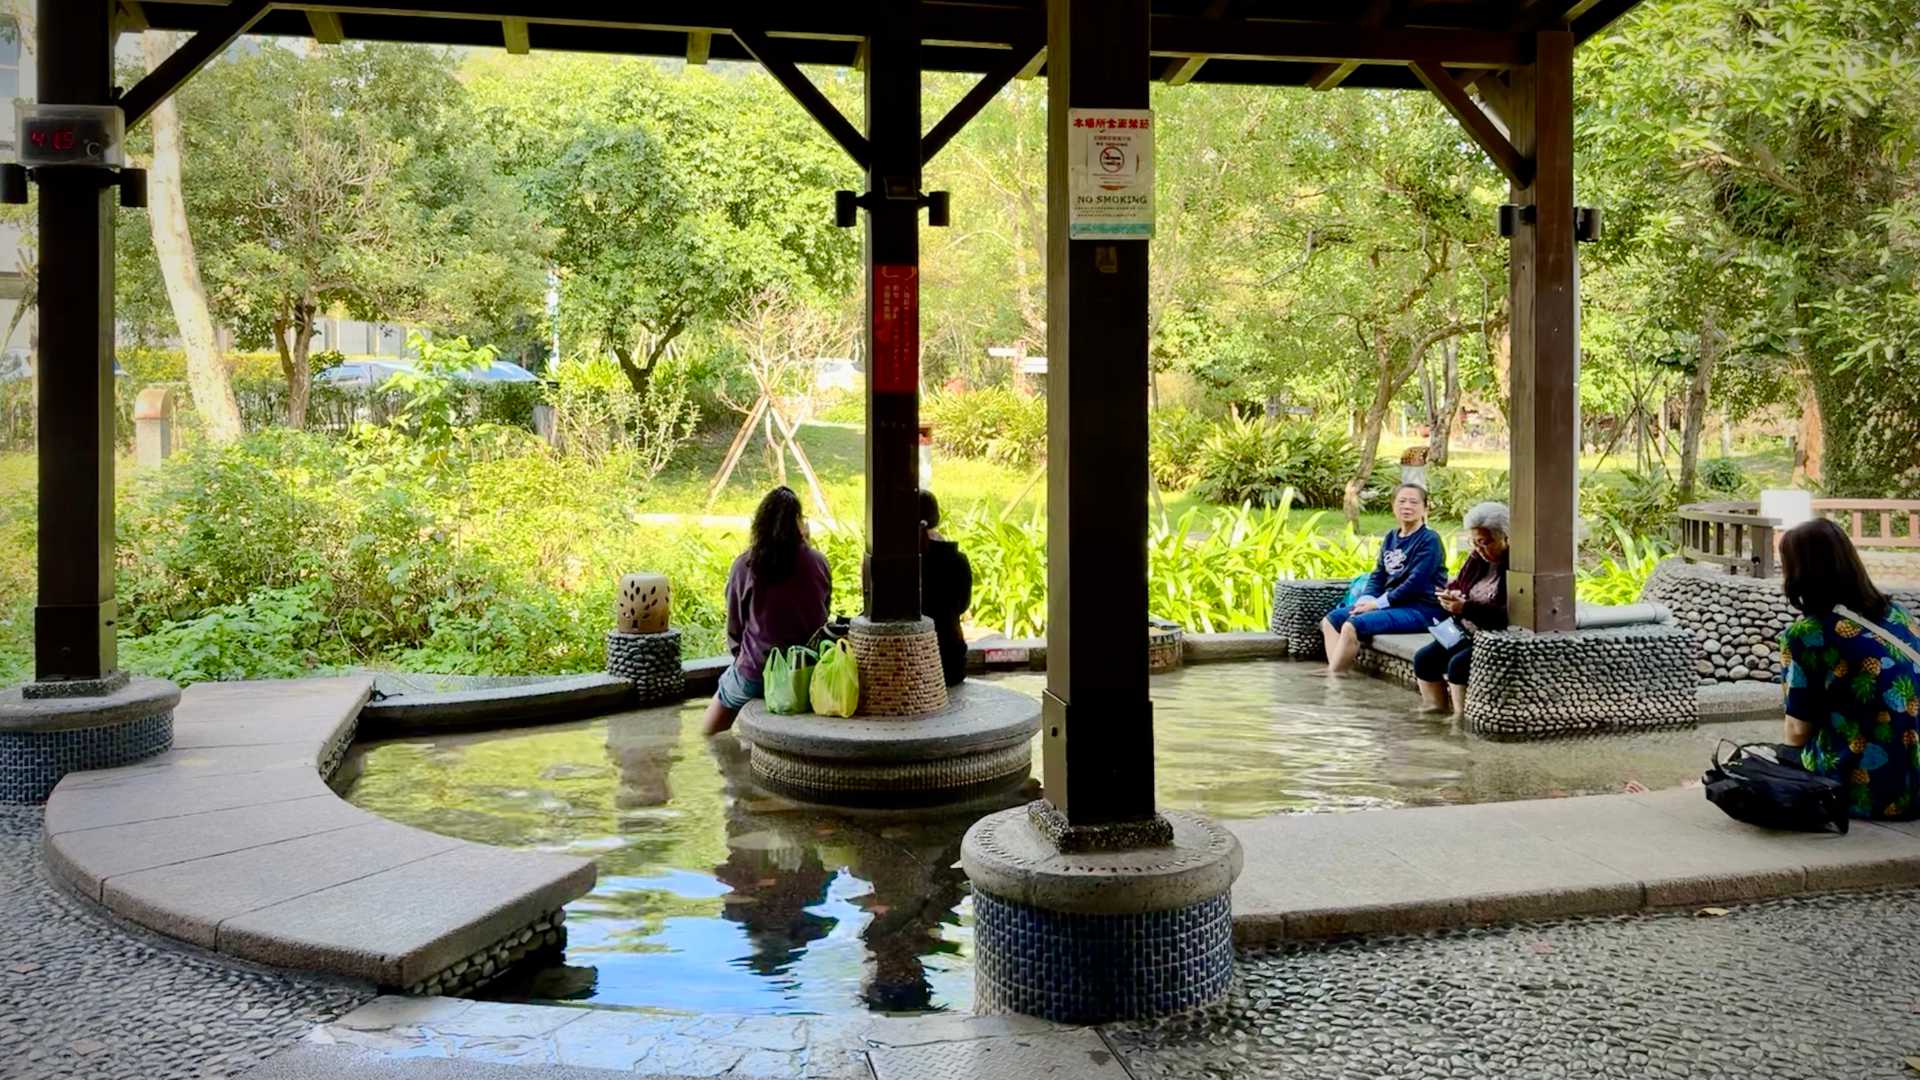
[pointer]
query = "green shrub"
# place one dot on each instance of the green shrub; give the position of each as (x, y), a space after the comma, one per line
(996, 423)
(1640, 504)
(1452, 492)
(1175, 435)
(1620, 578)
(1256, 461)
(1724, 476)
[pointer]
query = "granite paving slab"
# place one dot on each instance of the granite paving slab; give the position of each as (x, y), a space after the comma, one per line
(235, 842)
(1330, 875)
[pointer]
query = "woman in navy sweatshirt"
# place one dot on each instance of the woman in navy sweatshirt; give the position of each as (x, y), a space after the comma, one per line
(1402, 595)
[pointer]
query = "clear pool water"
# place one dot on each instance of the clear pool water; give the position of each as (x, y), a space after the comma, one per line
(717, 897)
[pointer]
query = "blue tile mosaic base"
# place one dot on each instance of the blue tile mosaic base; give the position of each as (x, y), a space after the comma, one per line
(32, 762)
(1089, 969)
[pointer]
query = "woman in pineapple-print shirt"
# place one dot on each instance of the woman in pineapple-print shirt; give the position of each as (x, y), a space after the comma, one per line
(1852, 698)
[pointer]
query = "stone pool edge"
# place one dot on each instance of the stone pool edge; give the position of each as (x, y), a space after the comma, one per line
(233, 841)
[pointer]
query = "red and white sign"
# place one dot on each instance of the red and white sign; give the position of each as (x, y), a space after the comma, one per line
(896, 328)
(1111, 155)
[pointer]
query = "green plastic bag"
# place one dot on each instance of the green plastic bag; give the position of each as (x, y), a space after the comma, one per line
(836, 682)
(788, 679)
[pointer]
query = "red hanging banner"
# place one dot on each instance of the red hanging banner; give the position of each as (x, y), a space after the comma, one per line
(896, 328)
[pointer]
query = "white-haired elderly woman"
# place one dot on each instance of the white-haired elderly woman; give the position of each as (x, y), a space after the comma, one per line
(1477, 598)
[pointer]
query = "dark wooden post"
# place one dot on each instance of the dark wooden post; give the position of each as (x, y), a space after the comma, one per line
(1545, 464)
(73, 620)
(893, 312)
(1098, 733)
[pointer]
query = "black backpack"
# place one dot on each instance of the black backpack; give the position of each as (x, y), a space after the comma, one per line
(1762, 791)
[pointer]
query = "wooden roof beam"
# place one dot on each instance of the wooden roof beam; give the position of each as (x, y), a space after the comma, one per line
(1517, 166)
(977, 98)
(515, 36)
(192, 55)
(326, 27)
(699, 45)
(808, 95)
(1034, 66)
(1329, 76)
(1182, 70)
(1267, 39)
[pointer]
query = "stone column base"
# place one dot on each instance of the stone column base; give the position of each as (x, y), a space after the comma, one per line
(44, 736)
(651, 662)
(1166, 646)
(1100, 935)
(1533, 686)
(899, 667)
(1298, 607)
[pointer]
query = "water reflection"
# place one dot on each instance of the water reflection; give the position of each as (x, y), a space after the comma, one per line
(717, 897)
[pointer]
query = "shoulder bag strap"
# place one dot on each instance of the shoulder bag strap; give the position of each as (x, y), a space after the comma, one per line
(1880, 632)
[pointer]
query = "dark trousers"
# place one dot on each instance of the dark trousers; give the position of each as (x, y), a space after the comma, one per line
(1437, 663)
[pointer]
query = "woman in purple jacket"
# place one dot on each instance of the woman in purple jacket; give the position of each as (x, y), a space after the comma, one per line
(777, 597)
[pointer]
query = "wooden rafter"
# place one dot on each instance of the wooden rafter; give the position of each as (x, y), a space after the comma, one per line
(976, 99)
(192, 55)
(1265, 39)
(1328, 76)
(515, 36)
(1034, 65)
(1182, 70)
(699, 45)
(326, 27)
(808, 95)
(1475, 120)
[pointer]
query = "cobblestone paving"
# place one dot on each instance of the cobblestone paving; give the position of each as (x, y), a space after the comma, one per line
(81, 996)
(1821, 987)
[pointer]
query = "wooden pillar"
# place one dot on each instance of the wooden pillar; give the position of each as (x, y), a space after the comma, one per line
(1538, 109)
(1098, 721)
(893, 313)
(73, 619)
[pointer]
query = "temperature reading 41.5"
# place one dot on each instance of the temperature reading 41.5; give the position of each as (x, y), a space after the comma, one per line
(70, 134)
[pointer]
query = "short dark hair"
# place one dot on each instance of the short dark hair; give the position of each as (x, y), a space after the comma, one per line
(1425, 499)
(1820, 570)
(929, 510)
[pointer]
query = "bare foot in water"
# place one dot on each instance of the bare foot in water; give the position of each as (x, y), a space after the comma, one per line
(1635, 787)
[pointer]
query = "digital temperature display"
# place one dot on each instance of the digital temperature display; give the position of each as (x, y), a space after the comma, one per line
(70, 134)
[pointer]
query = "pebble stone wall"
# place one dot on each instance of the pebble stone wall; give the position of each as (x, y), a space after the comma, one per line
(651, 662)
(899, 667)
(548, 933)
(1166, 647)
(1736, 620)
(1298, 607)
(1528, 685)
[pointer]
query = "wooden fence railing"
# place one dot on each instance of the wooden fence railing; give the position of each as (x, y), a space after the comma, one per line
(1734, 535)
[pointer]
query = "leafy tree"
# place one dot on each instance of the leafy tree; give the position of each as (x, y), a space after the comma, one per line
(671, 196)
(348, 179)
(1790, 125)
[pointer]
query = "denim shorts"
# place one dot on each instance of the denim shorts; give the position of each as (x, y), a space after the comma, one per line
(735, 691)
(1392, 620)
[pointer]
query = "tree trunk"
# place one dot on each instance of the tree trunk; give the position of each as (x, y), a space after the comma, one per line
(1811, 445)
(1441, 435)
(293, 336)
(1384, 387)
(1695, 421)
(180, 268)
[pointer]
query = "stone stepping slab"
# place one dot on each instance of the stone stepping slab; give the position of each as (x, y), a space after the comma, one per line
(1399, 871)
(234, 842)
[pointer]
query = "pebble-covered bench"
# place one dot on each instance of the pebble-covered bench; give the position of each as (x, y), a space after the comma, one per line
(234, 842)
(1626, 667)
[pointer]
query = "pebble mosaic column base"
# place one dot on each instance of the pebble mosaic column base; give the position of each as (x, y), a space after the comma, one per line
(1531, 686)
(1736, 621)
(1090, 937)
(1298, 608)
(907, 783)
(651, 662)
(43, 738)
(900, 671)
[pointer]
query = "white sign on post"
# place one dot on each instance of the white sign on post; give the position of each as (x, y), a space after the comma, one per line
(1111, 155)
